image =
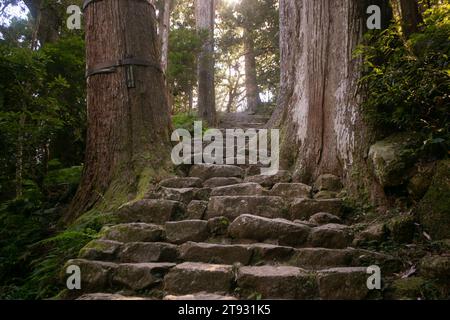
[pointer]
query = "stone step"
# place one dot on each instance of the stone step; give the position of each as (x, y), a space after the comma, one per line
(196, 210)
(221, 182)
(233, 206)
(262, 229)
(269, 181)
(245, 254)
(183, 195)
(285, 232)
(336, 236)
(343, 283)
(144, 252)
(182, 182)
(188, 230)
(242, 189)
(202, 296)
(108, 296)
(151, 211)
(276, 282)
(113, 277)
(207, 171)
(291, 190)
(322, 218)
(323, 258)
(304, 209)
(231, 254)
(188, 278)
(133, 232)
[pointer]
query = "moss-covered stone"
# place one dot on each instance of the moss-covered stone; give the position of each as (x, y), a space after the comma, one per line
(408, 288)
(402, 228)
(391, 159)
(420, 182)
(375, 233)
(436, 267)
(434, 209)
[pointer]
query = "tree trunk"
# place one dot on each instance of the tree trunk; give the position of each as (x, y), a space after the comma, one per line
(411, 17)
(251, 84)
(205, 17)
(128, 124)
(164, 33)
(319, 106)
(48, 20)
(191, 99)
(19, 156)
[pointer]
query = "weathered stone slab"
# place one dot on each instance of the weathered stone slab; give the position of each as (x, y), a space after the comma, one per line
(188, 230)
(262, 229)
(142, 252)
(232, 207)
(208, 171)
(133, 232)
(303, 209)
(151, 211)
(140, 276)
(272, 282)
(189, 277)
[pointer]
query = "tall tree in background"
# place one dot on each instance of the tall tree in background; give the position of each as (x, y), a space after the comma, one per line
(319, 107)
(49, 18)
(128, 115)
(411, 16)
(164, 29)
(205, 18)
(251, 81)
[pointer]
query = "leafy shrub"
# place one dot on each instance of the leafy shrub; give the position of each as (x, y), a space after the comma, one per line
(186, 121)
(408, 81)
(70, 176)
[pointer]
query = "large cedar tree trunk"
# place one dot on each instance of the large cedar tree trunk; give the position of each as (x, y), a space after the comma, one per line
(128, 127)
(205, 17)
(251, 84)
(319, 108)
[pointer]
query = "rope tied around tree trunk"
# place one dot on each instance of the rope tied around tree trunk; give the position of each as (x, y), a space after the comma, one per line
(129, 63)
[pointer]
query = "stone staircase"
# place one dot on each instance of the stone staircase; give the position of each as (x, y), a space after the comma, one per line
(225, 232)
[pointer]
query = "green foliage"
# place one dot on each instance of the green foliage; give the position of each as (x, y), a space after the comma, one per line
(184, 45)
(59, 177)
(186, 121)
(408, 81)
(42, 108)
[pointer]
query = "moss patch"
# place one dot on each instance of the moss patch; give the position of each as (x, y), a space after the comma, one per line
(434, 209)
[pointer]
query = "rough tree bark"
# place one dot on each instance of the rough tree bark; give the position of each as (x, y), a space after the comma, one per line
(205, 17)
(251, 84)
(128, 139)
(319, 107)
(411, 16)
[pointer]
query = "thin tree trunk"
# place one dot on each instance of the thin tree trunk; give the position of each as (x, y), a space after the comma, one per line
(19, 157)
(319, 107)
(251, 84)
(411, 16)
(128, 125)
(191, 99)
(164, 32)
(205, 17)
